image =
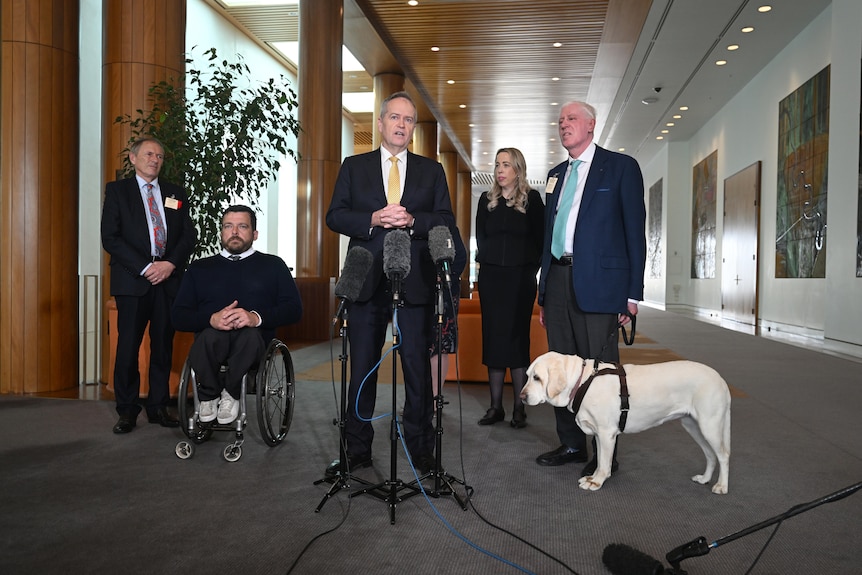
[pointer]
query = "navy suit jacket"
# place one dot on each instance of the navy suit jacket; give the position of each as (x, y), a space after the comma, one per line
(359, 192)
(609, 249)
(126, 236)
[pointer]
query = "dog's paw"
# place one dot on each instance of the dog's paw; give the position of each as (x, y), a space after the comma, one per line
(702, 479)
(719, 489)
(590, 483)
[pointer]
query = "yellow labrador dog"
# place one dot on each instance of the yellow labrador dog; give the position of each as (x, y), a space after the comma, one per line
(660, 392)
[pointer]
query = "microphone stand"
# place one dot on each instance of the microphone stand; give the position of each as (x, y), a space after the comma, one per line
(388, 490)
(700, 547)
(439, 475)
(341, 479)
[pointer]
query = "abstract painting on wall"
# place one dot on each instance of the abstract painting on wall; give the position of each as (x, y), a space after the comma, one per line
(654, 255)
(704, 186)
(803, 150)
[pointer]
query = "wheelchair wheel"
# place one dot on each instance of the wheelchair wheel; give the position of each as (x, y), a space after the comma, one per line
(185, 412)
(276, 393)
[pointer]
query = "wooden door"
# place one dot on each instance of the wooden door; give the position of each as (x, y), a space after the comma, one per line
(739, 246)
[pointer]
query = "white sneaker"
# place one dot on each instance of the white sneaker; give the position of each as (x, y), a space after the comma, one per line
(228, 408)
(208, 410)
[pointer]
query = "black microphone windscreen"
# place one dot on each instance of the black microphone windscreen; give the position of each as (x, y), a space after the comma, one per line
(624, 560)
(440, 244)
(356, 266)
(396, 253)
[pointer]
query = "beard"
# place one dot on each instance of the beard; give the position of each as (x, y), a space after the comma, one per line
(235, 245)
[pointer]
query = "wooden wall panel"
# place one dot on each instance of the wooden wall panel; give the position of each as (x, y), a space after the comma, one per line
(143, 43)
(39, 189)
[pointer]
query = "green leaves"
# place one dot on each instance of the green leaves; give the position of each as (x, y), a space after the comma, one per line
(223, 136)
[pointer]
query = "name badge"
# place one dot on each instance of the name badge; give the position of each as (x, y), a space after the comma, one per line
(173, 203)
(552, 183)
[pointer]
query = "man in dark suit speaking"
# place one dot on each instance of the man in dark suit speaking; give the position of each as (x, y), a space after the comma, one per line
(376, 193)
(149, 234)
(593, 260)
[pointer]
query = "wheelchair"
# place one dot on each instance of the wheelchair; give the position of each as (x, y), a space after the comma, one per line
(272, 381)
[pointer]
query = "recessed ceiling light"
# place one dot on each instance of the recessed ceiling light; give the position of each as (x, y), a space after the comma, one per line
(764, 8)
(557, 44)
(413, 2)
(747, 29)
(677, 116)
(555, 79)
(462, 106)
(450, 81)
(683, 108)
(435, 48)
(659, 137)
(621, 149)
(554, 104)
(472, 125)
(552, 124)
(665, 131)
(479, 140)
(733, 47)
(484, 153)
(670, 124)
(720, 62)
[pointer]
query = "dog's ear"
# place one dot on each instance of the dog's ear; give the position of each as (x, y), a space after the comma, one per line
(555, 378)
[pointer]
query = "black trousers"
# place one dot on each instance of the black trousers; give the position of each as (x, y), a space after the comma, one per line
(133, 315)
(239, 349)
(366, 331)
(572, 331)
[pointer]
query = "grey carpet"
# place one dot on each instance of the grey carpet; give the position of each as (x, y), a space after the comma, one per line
(77, 499)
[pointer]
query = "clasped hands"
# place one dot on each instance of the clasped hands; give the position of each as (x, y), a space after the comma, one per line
(392, 216)
(233, 317)
(159, 271)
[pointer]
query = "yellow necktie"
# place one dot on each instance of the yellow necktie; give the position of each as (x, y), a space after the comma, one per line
(393, 192)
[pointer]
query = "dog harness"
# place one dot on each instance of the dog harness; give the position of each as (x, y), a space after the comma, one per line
(617, 370)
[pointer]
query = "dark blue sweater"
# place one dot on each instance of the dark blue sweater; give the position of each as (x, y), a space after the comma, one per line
(260, 282)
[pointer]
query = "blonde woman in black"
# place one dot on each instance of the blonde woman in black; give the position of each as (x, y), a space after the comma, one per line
(509, 235)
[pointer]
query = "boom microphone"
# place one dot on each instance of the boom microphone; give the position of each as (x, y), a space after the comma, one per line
(442, 250)
(396, 259)
(624, 560)
(356, 266)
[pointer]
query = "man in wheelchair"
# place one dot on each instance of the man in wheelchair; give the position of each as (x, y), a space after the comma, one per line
(232, 301)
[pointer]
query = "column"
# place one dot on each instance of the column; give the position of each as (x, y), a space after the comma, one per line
(385, 84)
(39, 195)
(321, 34)
(425, 139)
(144, 43)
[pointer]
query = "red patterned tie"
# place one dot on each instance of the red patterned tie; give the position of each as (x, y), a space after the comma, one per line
(159, 234)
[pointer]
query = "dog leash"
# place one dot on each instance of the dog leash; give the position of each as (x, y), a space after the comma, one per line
(626, 339)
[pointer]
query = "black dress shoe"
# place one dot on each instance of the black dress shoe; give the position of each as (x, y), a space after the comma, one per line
(163, 418)
(425, 463)
(562, 455)
(492, 416)
(354, 462)
(125, 424)
(519, 418)
(590, 468)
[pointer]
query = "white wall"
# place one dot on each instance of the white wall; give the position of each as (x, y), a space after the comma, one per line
(206, 29)
(745, 131)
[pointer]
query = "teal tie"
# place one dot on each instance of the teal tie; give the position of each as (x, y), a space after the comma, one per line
(558, 242)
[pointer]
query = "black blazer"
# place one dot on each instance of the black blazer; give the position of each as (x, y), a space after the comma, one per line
(610, 240)
(359, 192)
(126, 236)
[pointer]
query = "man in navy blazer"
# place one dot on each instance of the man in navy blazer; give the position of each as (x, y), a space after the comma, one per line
(360, 210)
(593, 258)
(145, 275)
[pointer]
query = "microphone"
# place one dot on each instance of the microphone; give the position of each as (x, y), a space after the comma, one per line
(442, 250)
(396, 259)
(356, 266)
(624, 560)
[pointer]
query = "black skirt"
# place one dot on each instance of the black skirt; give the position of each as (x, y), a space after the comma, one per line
(506, 297)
